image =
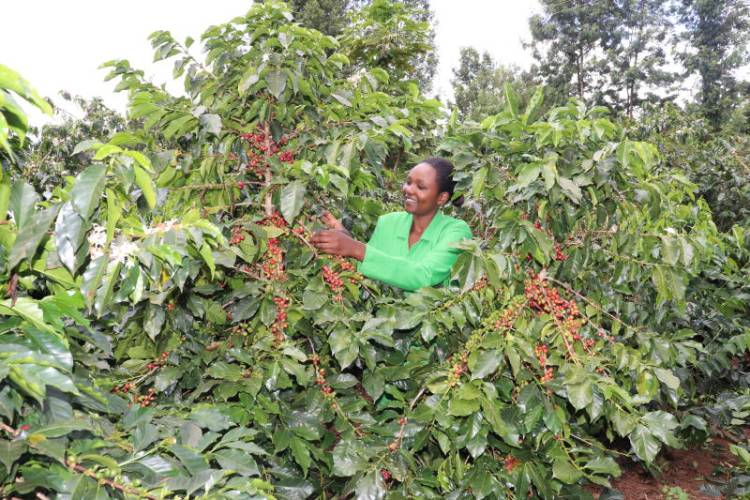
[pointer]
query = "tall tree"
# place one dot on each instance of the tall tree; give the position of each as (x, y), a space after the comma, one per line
(603, 51)
(327, 16)
(717, 33)
(396, 36)
(478, 84)
(393, 29)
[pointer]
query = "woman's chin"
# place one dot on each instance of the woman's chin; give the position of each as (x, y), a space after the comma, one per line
(410, 207)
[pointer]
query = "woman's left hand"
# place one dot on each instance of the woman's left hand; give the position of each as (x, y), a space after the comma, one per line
(338, 243)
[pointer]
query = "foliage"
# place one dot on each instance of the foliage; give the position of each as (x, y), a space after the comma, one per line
(176, 334)
(13, 121)
(714, 161)
(394, 36)
(52, 156)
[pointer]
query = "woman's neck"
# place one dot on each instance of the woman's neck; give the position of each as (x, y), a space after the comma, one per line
(420, 222)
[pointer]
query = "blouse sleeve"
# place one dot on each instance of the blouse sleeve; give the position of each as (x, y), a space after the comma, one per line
(408, 274)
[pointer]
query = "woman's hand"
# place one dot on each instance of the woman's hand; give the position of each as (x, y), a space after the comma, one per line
(335, 242)
(332, 222)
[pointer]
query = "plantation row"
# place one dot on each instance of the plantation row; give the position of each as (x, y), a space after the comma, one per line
(169, 329)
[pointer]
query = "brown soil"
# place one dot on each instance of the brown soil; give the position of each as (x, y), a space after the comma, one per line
(686, 469)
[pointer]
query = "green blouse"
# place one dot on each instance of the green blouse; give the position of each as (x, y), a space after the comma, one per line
(428, 262)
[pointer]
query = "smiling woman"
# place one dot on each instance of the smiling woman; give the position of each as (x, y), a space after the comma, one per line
(410, 249)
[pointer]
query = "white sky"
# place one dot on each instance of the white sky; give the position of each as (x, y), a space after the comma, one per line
(59, 45)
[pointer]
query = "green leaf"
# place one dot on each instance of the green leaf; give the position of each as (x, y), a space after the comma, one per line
(211, 123)
(23, 200)
(565, 471)
(237, 460)
(70, 238)
(31, 236)
(370, 486)
(208, 258)
(349, 457)
(301, 453)
(276, 82)
(645, 445)
(11, 80)
(570, 189)
(292, 200)
(247, 80)
(87, 190)
(146, 183)
(483, 363)
(528, 175)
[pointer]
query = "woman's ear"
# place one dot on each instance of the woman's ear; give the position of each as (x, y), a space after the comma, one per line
(443, 198)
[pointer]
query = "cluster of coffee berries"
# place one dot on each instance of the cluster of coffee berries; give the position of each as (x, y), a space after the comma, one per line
(345, 265)
(302, 232)
(547, 300)
(320, 380)
(335, 283)
(273, 264)
(507, 317)
(559, 254)
(123, 389)
(541, 351)
(242, 329)
(279, 325)
(510, 462)
(275, 219)
(385, 474)
(158, 362)
(459, 366)
(238, 236)
(261, 148)
(145, 400)
(480, 284)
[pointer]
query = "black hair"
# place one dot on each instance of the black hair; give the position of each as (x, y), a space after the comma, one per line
(444, 170)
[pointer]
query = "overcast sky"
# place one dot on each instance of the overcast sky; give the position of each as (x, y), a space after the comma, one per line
(60, 44)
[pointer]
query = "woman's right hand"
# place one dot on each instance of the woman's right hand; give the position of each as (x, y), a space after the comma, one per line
(332, 222)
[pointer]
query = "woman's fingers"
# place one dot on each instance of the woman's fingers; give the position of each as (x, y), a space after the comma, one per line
(331, 221)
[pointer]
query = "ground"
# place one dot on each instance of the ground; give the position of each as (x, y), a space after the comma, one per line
(699, 473)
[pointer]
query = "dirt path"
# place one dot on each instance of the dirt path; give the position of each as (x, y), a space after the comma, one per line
(694, 471)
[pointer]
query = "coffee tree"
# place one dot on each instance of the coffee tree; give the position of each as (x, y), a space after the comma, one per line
(170, 330)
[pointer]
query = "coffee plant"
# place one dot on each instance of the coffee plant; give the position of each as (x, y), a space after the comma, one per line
(169, 331)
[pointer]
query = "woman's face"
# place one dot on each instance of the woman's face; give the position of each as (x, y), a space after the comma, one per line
(421, 193)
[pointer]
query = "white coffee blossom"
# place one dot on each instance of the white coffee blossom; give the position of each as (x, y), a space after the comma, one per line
(670, 230)
(97, 239)
(121, 250)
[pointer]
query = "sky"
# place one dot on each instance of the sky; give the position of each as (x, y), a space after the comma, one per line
(59, 45)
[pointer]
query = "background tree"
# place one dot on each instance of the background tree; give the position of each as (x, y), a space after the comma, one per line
(327, 16)
(52, 154)
(603, 52)
(716, 32)
(478, 84)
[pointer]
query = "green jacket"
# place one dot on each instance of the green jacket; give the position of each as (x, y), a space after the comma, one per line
(428, 262)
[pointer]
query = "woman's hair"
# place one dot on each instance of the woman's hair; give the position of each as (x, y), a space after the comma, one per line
(446, 184)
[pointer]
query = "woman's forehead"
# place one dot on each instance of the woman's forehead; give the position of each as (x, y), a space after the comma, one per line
(424, 172)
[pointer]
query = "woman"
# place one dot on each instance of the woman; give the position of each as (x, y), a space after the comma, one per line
(410, 249)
